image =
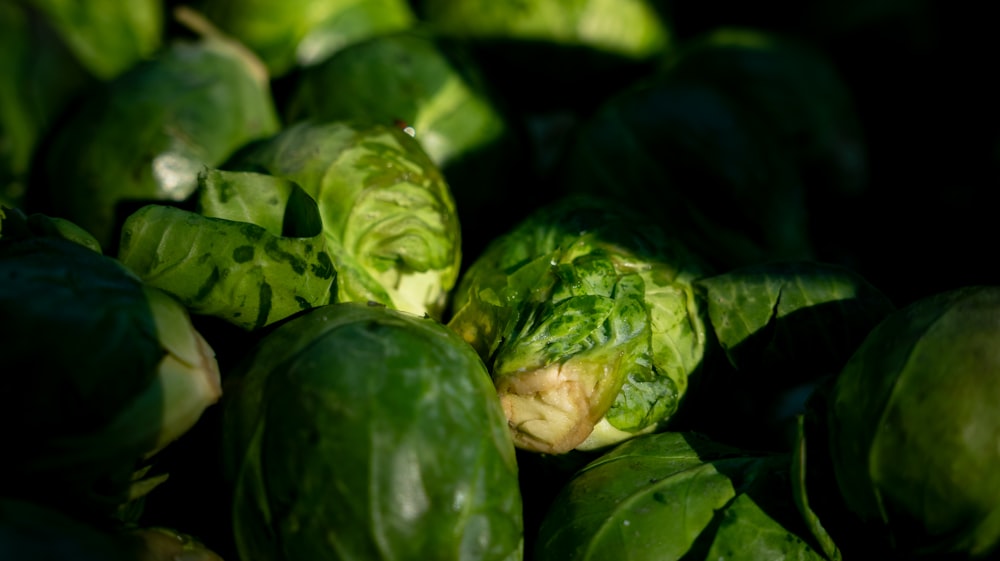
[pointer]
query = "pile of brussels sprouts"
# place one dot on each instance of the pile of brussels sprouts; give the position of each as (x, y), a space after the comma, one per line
(466, 280)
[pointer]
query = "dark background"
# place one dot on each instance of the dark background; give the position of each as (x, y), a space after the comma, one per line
(923, 75)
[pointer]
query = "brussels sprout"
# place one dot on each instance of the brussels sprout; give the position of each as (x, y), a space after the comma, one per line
(913, 425)
(128, 375)
(41, 78)
(586, 317)
(433, 89)
(146, 135)
(107, 36)
(389, 218)
(287, 34)
(252, 255)
(684, 152)
(672, 495)
(356, 431)
(796, 90)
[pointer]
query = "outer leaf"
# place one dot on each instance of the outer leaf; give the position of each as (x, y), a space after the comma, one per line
(238, 271)
(805, 314)
(672, 496)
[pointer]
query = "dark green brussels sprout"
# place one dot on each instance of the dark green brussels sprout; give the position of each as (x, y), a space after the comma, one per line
(586, 317)
(254, 253)
(128, 374)
(671, 496)
(355, 431)
(433, 90)
(146, 135)
(287, 34)
(388, 214)
(914, 425)
(785, 329)
(795, 89)
(684, 152)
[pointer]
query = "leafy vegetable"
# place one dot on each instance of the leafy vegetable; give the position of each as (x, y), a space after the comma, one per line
(129, 376)
(145, 135)
(676, 495)
(254, 254)
(586, 317)
(913, 426)
(359, 432)
(388, 215)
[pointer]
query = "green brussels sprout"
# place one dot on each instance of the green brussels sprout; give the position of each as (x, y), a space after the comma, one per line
(671, 496)
(355, 431)
(587, 319)
(913, 426)
(388, 214)
(127, 374)
(148, 133)
(434, 90)
(42, 78)
(254, 253)
(684, 152)
(287, 34)
(107, 36)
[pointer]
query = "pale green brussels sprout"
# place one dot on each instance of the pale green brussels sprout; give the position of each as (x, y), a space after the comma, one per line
(128, 374)
(287, 34)
(252, 254)
(914, 426)
(586, 317)
(146, 135)
(354, 431)
(388, 214)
